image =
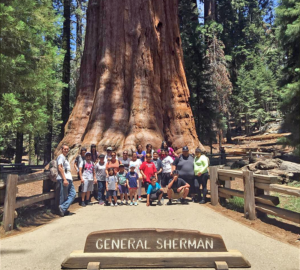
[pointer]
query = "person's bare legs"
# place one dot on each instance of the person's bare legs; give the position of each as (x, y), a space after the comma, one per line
(185, 193)
(126, 197)
(115, 199)
(88, 193)
(140, 188)
(169, 192)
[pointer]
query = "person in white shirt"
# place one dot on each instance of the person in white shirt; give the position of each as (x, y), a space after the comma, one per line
(136, 162)
(100, 168)
(64, 179)
(167, 162)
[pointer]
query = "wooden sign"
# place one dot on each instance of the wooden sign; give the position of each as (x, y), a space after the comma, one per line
(148, 248)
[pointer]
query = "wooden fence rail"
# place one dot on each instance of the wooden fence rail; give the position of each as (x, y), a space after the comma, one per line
(11, 203)
(255, 187)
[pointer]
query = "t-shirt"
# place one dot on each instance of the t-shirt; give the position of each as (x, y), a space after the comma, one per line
(78, 159)
(152, 151)
(185, 167)
(179, 183)
(200, 164)
(108, 157)
(111, 182)
(61, 159)
(121, 178)
(114, 165)
(125, 163)
(148, 169)
(100, 171)
(136, 164)
(171, 152)
(166, 164)
(87, 171)
(153, 189)
(141, 156)
(157, 163)
(132, 179)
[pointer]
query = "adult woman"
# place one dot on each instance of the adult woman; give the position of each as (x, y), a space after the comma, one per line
(140, 153)
(113, 163)
(149, 149)
(125, 160)
(94, 153)
(170, 150)
(201, 173)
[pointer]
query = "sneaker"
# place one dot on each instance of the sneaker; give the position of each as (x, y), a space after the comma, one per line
(116, 204)
(159, 203)
(60, 211)
(111, 204)
(131, 203)
(140, 198)
(126, 203)
(122, 203)
(101, 202)
(135, 204)
(202, 202)
(183, 201)
(89, 203)
(83, 204)
(169, 203)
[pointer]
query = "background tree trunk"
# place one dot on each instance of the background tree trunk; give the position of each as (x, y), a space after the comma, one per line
(66, 45)
(132, 87)
(19, 147)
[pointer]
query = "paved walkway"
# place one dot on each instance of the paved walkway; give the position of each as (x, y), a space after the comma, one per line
(46, 247)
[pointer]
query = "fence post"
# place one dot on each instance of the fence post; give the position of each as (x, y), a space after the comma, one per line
(10, 202)
(249, 196)
(214, 196)
(47, 183)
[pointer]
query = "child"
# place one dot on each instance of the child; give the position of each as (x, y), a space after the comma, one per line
(112, 186)
(148, 170)
(87, 175)
(121, 176)
(137, 163)
(132, 183)
(154, 192)
(101, 177)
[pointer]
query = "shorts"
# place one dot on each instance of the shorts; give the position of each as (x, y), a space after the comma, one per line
(159, 179)
(165, 178)
(176, 195)
(154, 196)
(123, 189)
(111, 193)
(146, 185)
(88, 185)
(134, 188)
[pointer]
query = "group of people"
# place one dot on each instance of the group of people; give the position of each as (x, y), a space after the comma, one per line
(154, 170)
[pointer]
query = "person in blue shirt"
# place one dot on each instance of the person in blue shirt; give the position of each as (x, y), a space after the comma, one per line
(154, 192)
(140, 153)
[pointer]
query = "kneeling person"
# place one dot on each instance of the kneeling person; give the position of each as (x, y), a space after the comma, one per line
(154, 192)
(177, 189)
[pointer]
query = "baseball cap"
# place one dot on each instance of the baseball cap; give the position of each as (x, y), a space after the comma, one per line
(121, 165)
(132, 166)
(198, 150)
(88, 153)
(185, 148)
(108, 149)
(101, 156)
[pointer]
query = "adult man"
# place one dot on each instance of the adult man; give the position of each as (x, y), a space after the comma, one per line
(184, 164)
(177, 189)
(125, 160)
(148, 170)
(64, 179)
(78, 159)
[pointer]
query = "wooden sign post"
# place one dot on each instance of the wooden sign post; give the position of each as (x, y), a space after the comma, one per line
(148, 248)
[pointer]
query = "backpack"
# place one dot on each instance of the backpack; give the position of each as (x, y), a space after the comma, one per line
(53, 170)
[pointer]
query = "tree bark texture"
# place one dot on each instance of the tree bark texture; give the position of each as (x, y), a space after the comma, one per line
(66, 45)
(19, 147)
(132, 87)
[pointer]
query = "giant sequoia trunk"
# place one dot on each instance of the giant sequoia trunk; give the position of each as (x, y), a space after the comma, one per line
(132, 87)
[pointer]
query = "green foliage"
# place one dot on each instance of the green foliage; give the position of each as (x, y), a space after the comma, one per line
(288, 33)
(28, 61)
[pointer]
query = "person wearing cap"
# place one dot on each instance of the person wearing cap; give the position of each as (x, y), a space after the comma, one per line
(123, 189)
(201, 173)
(78, 159)
(177, 189)
(132, 184)
(100, 170)
(88, 178)
(125, 160)
(108, 154)
(184, 164)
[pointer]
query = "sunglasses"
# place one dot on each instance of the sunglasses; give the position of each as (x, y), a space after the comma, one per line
(113, 155)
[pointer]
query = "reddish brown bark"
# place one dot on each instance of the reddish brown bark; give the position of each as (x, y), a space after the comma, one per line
(132, 87)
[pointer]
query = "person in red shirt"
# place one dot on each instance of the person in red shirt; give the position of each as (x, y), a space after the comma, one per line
(147, 170)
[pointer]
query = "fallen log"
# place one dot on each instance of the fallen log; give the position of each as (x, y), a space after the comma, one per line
(261, 137)
(279, 212)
